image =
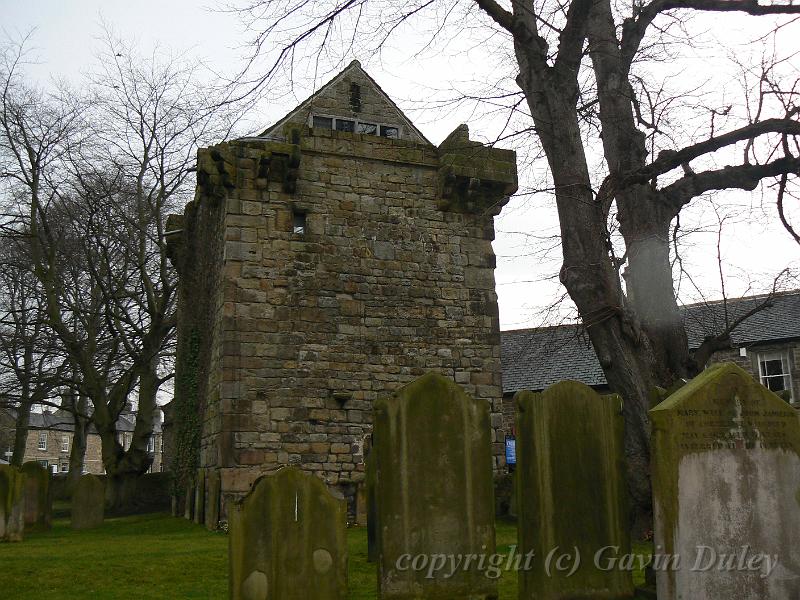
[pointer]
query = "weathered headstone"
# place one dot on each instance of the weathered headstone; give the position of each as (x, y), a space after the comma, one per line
(726, 483)
(434, 492)
(212, 500)
(571, 493)
(38, 496)
(88, 502)
(12, 504)
(200, 496)
(287, 540)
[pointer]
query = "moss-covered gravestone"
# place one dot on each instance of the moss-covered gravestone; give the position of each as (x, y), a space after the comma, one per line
(88, 502)
(287, 540)
(571, 493)
(38, 496)
(434, 492)
(726, 483)
(12, 504)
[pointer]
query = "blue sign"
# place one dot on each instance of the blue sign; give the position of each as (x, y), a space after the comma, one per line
(511, 450)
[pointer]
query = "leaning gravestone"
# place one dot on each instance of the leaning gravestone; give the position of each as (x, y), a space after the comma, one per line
(38, 496)
(726, 483)
(12, 504)
(571, 493)
(287, 540)
(434, 492)
(88, 502)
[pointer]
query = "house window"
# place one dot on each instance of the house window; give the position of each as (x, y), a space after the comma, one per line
(773, 369)
(298, 223)
(127, 441)
(64, 467)
(151, 444)
(44, 463)
(390, 132)
(65, 443)
(43, 441)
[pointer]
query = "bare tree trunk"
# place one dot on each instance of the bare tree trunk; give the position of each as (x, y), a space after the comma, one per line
(126, 466)
(77, 453)
(21, 432)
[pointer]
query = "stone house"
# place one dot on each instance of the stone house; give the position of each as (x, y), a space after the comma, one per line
(766, 345)
(324, 263)
(49, 441)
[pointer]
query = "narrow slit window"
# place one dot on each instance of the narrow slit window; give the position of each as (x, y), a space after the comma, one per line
(299, 223)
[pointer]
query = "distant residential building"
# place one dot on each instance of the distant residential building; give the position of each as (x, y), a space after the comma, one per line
(766, 344)
(50, 434)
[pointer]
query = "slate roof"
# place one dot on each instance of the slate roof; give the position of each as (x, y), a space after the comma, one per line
(61, 420)
(533, 359)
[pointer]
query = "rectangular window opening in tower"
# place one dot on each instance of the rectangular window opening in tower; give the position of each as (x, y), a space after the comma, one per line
(298, 223)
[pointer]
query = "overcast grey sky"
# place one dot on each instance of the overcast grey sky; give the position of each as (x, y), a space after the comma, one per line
(67, 36)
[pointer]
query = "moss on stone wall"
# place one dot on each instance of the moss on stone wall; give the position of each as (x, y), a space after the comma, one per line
(187, 416)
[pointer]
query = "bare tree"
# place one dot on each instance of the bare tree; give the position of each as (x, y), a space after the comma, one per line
(579, 68)
(32, 365)
(95, 179)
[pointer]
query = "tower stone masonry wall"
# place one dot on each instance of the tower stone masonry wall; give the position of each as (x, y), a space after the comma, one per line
(290, 337)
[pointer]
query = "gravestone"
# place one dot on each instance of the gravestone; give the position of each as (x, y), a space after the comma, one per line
(434, 492)
(38, 496)
(726, 483)
(12, 504)
(571, 493)
(88, 502)
(287, 540)
(212, 500)
(200, 497)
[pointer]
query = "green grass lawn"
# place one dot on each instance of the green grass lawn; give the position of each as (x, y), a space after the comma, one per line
(158, 557)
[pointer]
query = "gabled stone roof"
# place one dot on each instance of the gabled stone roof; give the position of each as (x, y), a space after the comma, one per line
(333, 99)
(533, 359)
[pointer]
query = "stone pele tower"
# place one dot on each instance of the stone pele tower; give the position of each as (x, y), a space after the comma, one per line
(322, 264)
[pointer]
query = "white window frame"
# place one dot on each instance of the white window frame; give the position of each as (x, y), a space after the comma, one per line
(65, 443)
(64, 468)
(377, 124)
(151, 444)
(786, 371)
(43, 441)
